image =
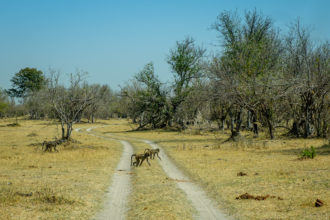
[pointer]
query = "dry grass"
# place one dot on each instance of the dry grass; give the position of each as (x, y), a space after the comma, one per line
(272, 169)
(71, 184)
(65, 185)
(154, 195)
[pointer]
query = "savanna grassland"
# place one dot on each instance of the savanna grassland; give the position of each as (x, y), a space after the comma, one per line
(272, 167)
(69, 184)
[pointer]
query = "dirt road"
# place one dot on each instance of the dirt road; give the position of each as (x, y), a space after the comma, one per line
(204, 206)
(116, 199)
(115, 206)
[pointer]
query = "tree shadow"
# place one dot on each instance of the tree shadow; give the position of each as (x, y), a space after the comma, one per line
(321, 150)
(186, 140)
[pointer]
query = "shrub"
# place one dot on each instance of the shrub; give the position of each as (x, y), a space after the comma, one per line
(308, 153)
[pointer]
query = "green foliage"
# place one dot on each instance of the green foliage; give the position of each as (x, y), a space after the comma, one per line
(248, 68)
(308, 153)
(185, 61)
(150, 99)
(26, 81)
(4, 104)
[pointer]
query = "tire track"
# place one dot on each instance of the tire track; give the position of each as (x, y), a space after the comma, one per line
(199, 199)
(115, 205)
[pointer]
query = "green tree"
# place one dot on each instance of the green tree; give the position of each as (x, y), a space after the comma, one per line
(25, 82)
(249, 65)
(152, 98)
(148, 101)
(185, 61)
(4, 103)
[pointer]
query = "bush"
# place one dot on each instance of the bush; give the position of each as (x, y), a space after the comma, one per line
(308, 153)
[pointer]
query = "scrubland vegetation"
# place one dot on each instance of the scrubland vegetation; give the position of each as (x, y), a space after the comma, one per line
(251, 121)
(71, 183)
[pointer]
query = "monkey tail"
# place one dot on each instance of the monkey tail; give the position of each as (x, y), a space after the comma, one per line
(133, 155)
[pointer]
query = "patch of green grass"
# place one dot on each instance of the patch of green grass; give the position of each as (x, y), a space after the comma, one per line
(308, 153)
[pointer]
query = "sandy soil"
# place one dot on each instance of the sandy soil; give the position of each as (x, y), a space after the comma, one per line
(204, 206)
(115, 206)
(116, 199)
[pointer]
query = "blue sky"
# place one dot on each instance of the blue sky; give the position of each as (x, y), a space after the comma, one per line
(113, 40)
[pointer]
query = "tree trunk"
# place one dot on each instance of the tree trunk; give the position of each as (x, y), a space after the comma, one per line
(318, 124)
(325, 130)
(248, 122)
(255, 129)
(255, 125)
(68, 130)
(235, 130)
(141, 119)
(294, 130)
(228, 124)
(223, 121)
(270, 129)
(63, 130)
(134, 120)
(306, 130)
(238, 121)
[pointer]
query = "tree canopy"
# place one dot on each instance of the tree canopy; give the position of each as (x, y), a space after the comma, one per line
(25, 82)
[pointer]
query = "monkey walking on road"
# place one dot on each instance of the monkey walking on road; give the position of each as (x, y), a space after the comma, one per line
(139, 158)
(153, 152)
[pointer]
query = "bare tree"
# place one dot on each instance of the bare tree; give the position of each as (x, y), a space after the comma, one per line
(307, 68)
(69, 103)
(100, 105)
(247, 69)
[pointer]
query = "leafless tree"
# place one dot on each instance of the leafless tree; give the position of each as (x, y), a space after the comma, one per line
(69, 103)
(100, 105)
(307, 68)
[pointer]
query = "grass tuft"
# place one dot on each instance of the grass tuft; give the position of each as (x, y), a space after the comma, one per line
(47, 195)
(308, 153)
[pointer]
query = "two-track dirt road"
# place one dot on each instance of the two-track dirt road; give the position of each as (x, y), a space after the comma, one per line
(115, 204)
(200, 201)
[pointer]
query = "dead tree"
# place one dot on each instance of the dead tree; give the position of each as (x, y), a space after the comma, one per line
(69, 103)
